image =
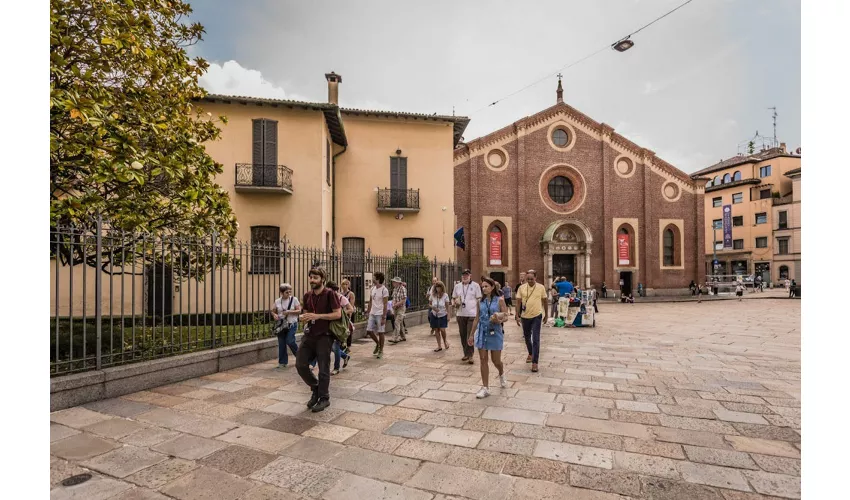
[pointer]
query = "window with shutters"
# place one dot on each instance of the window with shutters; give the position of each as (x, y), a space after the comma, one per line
(264, 153)
(783, 246)
(398, 182)
(265, 249)
(413, 246)
(353, 255)
(328, 162)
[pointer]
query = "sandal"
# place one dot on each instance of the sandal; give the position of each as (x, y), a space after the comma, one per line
(438, 349)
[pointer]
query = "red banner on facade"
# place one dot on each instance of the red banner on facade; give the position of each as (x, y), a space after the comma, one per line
(623, 249)
(495, 248)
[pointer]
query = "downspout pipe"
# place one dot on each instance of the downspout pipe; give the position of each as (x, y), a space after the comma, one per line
(333, 195)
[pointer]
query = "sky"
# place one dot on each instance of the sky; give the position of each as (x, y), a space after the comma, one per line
(695, 88)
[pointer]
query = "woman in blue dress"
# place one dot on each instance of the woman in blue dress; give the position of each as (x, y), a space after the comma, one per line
(489, 334)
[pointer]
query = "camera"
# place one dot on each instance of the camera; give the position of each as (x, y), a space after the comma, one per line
(492, 331)
(463, 305)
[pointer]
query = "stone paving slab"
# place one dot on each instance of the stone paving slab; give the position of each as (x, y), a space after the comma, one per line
(660, 401)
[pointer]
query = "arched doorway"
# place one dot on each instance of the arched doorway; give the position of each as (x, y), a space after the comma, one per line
(566, 252)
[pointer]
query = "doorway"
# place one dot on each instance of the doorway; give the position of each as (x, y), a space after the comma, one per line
(626, 282)
(498, 277)
(564, 265)
(160, 290)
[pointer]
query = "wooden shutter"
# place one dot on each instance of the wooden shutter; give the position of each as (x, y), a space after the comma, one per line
(402, 173)
(394, 172)
(270, 153)
(257, 150)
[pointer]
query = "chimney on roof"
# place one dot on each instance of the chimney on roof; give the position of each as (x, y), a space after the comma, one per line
(333, 87)
(560, 90)
(782, 146)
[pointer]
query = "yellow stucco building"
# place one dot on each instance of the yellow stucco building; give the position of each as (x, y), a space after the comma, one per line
(321, 174)
(756, 187)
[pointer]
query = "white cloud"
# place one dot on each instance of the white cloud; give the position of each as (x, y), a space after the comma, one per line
(232, 79)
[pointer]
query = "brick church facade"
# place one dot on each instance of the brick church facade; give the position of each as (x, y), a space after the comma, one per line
(562, 194)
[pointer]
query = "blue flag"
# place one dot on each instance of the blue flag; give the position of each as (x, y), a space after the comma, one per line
(459, 239)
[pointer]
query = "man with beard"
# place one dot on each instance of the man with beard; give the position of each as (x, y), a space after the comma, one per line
(321, 306)
(531, 306)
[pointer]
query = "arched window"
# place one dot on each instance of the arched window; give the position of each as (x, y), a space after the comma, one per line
(671, 246)
(727, 178)
(716, 180)
(708, 184)
(496, 249)
(736, 176)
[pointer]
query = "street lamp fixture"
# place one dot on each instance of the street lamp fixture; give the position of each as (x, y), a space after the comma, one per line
(623, 45)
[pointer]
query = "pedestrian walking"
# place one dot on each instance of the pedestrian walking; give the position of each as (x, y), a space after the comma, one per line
(604, 291)
(434, 281)
(507, 293)
(346, 292)
(347, 309)
(285, 311)
(466, 295)
(792, 289)
(375, 326)
(489, 334)
(739, 290)
(321, 306)
(531, 305)
(399, 309)
(439, 304)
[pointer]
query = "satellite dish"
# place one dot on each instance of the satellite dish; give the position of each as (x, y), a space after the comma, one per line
(798, 151)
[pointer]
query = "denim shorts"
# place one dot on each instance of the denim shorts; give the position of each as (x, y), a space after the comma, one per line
(374, 324)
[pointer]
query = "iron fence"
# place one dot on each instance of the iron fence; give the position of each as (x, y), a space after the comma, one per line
(270, 176)
(398, 199)
(121, 297)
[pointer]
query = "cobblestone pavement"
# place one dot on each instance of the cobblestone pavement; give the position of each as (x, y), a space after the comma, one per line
(660, 401)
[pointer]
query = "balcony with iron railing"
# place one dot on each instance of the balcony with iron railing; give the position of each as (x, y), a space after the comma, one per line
(255, 177)
(398, 200)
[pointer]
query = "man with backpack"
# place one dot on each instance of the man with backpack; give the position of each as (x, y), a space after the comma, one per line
(321, 307)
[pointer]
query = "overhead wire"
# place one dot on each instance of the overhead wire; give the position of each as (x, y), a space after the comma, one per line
(574, 63)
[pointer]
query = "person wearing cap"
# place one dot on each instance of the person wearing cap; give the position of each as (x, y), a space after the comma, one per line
(285, 311)
(466, 296)
(399, 303)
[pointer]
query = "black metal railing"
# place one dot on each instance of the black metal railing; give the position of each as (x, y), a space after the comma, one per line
(119, 297)
(398, 198)
(259, 175)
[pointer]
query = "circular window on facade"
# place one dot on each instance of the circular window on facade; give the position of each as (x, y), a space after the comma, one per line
(560, 137)
(560, 190)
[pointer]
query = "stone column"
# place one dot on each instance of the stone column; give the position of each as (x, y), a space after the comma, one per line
(587, 268)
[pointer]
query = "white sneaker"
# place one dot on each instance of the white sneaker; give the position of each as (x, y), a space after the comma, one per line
(483, 393)
(503, 381)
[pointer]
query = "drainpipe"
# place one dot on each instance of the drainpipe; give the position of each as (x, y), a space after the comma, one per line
(333, 195)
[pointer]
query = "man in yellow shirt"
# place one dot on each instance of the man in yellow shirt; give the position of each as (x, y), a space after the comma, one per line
(531, 303)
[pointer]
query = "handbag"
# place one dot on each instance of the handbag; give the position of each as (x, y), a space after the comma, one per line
(282, 324)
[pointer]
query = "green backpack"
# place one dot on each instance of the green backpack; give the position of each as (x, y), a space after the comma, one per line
(341, 328)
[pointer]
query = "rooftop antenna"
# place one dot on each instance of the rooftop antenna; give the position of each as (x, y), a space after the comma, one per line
(775, 143)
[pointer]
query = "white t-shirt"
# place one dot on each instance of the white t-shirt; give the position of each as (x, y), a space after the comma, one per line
(377, 296)
(470, 295)
(441, 304)
(280, 304)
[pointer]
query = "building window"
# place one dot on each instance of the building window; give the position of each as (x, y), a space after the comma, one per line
(761, 218)
(560, 189)
(398, 182)
(737, 198)
(328, 161)
(264, 152)
(783, 272)
(737, 221)
(708, 184)
(496, 241)
(560, 137)
(727, 179)
(413, 246)
(716, 180)
(764, 194)
(736, 176)
(670, 254)
(738, 244)
(764, 171)
(265, 249)
(716, 202)
(783, 246)
(783, 219)
(353, 255)
(761, 242)
(739, 267)
(718, 223)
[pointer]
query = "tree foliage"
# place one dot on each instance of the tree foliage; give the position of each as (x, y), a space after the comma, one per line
(126, 137)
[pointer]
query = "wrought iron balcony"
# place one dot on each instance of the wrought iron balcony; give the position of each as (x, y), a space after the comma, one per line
(398, 200)
(255, 177)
